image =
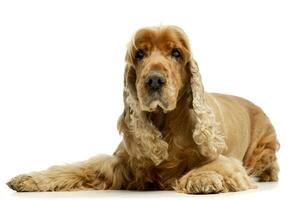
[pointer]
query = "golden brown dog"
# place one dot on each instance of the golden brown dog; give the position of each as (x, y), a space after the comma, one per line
(175, 136)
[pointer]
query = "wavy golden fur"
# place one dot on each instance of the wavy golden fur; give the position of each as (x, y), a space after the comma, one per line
(175, 135)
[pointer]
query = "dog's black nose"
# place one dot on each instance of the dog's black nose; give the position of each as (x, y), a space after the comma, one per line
(155, 81)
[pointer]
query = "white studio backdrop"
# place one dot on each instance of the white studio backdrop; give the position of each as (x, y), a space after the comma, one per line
(61, 74)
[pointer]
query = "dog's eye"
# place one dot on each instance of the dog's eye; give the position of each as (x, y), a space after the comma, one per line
(139, 54)
(175, 53)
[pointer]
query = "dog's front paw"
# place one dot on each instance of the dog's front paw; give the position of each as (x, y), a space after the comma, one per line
(205, 182)
(23, 183)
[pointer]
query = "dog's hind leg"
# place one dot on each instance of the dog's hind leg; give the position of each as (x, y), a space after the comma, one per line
(261, 160)
(101, 172)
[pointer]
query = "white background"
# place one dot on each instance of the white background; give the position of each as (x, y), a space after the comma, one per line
(61, 75)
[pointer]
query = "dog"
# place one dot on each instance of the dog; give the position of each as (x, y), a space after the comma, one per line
(176, 136)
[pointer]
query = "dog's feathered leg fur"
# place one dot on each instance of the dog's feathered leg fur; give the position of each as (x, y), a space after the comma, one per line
(100, 172)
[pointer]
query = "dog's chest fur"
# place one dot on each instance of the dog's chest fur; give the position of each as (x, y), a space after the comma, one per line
(183, 152)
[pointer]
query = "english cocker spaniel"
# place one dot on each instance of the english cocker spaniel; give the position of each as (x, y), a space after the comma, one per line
(175, 135)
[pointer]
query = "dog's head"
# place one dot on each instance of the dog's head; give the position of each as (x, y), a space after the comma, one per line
(159, 70)
(158, 59)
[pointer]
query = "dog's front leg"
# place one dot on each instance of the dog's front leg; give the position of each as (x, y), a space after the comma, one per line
(101, 172)
(221, 175)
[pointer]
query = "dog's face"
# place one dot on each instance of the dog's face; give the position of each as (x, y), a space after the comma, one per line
(159, 57)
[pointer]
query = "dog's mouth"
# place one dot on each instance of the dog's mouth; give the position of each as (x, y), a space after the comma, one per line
(160, 100)
(156, 103)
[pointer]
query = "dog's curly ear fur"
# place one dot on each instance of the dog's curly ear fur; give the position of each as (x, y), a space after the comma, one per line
(206, 132)
(142, 139)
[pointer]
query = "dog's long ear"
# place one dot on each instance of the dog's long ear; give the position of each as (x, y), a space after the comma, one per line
(206, 132)
(141, 138)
